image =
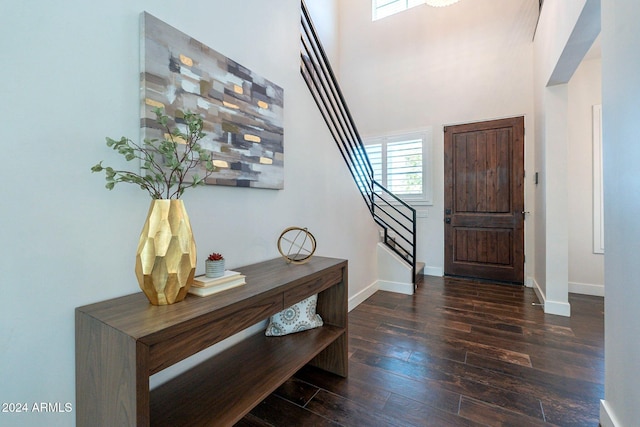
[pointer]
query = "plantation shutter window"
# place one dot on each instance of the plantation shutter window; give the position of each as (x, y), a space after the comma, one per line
(404, 167)
(374, 152)
(400, 165)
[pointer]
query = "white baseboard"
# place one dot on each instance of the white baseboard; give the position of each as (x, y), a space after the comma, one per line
(607, 418)
(551, 307)
(361, 296)
(398, 287)
(586, 289)
(538, 291)
(558, 308)
(433, 271)
(380, 285)
(528, 282)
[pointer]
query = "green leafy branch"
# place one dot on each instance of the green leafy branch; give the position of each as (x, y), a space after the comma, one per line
(164, 163)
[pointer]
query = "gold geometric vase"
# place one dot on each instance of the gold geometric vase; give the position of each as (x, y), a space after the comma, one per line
(166, 255)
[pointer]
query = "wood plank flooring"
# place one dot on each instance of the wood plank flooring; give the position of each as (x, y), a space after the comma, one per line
(457, 353)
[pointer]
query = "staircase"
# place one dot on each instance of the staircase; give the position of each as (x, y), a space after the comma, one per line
(397, 220)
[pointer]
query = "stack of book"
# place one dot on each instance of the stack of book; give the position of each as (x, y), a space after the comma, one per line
(204, 286)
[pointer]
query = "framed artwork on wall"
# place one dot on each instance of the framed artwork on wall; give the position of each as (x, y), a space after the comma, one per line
(242, 111)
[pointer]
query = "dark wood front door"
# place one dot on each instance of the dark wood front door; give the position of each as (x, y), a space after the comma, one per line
(484, 200)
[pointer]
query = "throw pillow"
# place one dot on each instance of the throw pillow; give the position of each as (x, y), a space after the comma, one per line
(298, 317)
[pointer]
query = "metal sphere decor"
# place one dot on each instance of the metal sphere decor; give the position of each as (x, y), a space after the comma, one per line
(296, 245)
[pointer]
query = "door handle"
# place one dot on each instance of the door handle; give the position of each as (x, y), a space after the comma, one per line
(447, 220)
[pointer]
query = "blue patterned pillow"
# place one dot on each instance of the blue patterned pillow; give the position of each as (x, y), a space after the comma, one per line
(298, 317)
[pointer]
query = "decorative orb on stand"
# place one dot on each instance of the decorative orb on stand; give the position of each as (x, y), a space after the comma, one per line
(296, 245)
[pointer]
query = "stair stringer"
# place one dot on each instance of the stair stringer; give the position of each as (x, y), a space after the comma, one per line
(394, 274)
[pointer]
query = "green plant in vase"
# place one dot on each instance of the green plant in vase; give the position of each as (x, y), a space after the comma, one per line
(167, 163)
(166, 255)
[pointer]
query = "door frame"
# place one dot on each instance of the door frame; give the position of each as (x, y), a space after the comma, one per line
(516, 208)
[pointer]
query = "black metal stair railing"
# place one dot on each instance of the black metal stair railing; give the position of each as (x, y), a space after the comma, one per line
(395, 217)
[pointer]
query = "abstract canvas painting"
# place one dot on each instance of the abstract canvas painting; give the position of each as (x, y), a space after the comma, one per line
(242, 111)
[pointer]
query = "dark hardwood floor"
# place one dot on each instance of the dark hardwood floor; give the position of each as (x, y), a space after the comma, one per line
(457, 353)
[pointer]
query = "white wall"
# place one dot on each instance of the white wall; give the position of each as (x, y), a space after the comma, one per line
(565, 32)
(556, 22)
(430, 67)
(326, 22)
(69, 78)
(621, 143)
(586, 269)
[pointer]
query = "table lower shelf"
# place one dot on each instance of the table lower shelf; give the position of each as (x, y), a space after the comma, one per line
(224, 388)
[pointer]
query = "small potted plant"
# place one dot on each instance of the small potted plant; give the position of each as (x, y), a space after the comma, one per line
(214, 265)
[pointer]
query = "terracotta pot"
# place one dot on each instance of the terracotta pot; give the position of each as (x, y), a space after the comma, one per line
(166, 256)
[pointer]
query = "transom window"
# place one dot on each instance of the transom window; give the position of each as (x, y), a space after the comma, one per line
(383, 8)
(400, 165)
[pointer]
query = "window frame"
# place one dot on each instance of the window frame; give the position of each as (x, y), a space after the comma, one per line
(378, 11)
(425, 198)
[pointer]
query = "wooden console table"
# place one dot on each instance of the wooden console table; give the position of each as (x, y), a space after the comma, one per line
(122, 341)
